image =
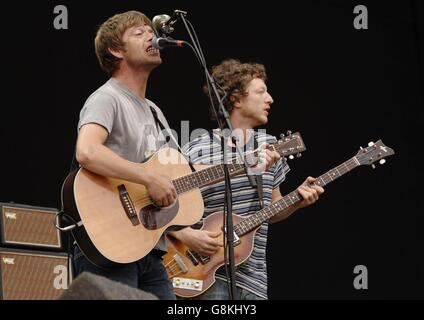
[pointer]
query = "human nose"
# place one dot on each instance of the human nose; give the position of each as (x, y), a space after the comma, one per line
(269, 99)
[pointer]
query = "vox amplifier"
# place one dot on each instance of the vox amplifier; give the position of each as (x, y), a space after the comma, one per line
(32, 275)
(29, 226)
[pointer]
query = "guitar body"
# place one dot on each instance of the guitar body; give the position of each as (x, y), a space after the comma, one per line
(198, 278)
(109, 236)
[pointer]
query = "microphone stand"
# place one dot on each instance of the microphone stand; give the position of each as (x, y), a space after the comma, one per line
(220, 110)
(228, 215)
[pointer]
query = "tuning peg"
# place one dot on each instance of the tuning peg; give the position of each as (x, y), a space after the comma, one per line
(298, 155)
(289, 133)
(291, 157)
(370, 144)
(360, 148)
(282, 136)
(373, 166)
(382, 161)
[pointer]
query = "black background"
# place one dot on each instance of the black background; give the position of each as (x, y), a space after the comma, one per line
(340, 87)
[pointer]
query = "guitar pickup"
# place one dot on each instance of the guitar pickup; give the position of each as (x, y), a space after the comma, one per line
(193, 257)
(196, 258)
(204, 259)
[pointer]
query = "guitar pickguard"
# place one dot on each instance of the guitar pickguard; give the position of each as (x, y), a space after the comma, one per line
(153, 217)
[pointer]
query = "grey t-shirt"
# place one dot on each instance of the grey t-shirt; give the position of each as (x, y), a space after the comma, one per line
(133, 132)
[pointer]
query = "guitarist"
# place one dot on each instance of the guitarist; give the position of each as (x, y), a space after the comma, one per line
(248, 103)
(117, 128)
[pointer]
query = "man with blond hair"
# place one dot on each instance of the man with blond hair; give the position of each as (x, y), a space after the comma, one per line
(115, 131)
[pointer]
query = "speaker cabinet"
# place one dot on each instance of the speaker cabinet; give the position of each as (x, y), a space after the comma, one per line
(29, 227)
(31, 275)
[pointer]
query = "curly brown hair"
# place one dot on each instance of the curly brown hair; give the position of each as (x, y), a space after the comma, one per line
(109, 36)
(233, 77)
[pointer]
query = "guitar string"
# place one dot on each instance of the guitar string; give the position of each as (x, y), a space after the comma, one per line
(279, 147)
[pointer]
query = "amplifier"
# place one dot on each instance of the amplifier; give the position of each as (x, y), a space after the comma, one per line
(29, 226)
(32, 275)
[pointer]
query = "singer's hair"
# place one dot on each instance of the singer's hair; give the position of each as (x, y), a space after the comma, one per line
(109, 36)
(233, 77)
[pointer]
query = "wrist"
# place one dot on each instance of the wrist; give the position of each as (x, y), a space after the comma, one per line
(145, 178)
(183, 234)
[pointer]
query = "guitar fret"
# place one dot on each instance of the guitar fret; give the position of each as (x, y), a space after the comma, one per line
(202, 177)
(207, 176)
(346, 166)
(188, 183)
(216, 175)
(177, 185)
(180, 185)
(338, 172)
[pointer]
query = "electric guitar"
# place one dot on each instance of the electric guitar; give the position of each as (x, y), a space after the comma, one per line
(192, 274)
(115, 222)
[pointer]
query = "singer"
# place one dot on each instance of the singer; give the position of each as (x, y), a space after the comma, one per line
(248, 103)
(116, 129)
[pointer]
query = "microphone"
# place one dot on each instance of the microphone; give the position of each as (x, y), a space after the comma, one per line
(161, 22)
(160, 43)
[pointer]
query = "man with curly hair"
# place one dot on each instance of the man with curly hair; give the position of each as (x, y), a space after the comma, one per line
(115, 132)
(248, 102)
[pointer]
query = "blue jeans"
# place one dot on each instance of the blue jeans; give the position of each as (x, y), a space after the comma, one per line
(147, 274)
(219, 291)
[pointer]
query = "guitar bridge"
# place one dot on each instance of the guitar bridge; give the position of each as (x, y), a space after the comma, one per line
(128, 205)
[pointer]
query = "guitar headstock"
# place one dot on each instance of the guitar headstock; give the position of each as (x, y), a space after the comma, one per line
(290, 144)
(374, 152)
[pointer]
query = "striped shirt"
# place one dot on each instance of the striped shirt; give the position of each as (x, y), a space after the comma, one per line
(206, 149)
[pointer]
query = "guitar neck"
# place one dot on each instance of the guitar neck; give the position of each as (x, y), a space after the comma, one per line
(277, 207)
(216, 173)
(205, 177)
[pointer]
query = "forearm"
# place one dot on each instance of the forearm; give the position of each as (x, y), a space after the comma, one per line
(181, 234)
(101, 160)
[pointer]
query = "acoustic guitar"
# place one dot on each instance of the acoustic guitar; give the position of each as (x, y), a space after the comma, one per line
(116, 222)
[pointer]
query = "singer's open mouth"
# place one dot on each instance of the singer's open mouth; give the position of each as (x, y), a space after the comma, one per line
(150, 49)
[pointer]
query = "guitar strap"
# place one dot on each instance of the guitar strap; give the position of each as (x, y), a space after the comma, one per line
(170, 136)
(259, 180)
